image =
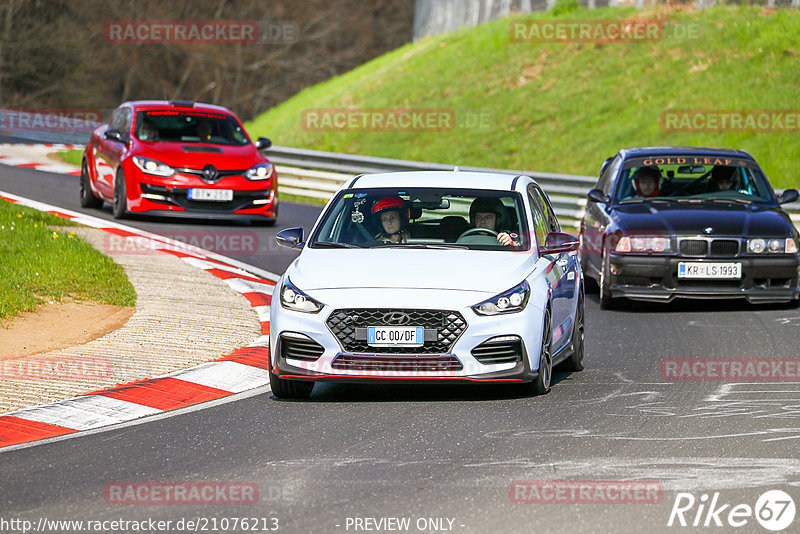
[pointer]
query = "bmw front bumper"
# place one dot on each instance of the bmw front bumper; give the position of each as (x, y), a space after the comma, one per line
(655, 278)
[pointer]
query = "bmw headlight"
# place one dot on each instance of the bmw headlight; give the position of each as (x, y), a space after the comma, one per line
(151, 166)
(262, 171)
(294, 299)
(644, 244)
(511, 301)
(771, 245)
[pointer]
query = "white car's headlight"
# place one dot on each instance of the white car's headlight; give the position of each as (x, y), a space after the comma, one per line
(151, 166)
(512, 301)
(262, 171)
(294, 299)
(771, 245)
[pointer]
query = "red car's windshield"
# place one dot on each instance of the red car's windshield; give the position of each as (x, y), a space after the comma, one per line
(189, 127)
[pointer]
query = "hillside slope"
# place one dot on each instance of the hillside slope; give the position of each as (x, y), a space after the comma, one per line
(564, 107)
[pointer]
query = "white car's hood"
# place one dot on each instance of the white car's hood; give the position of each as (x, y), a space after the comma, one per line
(463, 270)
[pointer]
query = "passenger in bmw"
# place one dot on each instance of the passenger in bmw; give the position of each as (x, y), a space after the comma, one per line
(392, 215)
(488, 213)
(722, 178)
(647, 181)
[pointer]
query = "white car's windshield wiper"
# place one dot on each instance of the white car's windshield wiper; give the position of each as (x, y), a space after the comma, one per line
(334, 244)
(422, 245)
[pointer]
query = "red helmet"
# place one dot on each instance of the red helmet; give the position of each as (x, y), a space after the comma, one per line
(391, 203)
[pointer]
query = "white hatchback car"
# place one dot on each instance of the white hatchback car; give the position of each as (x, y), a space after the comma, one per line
(429, 277)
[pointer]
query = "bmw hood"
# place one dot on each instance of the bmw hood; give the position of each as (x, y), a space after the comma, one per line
(488, 272)
(730, 220)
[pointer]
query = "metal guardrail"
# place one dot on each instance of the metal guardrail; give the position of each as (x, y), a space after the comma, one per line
(318, 174)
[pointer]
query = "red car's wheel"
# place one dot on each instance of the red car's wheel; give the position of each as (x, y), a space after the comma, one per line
(88, 200)
(120, 196)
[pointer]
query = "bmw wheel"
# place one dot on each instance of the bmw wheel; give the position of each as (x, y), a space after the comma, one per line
(606, 300)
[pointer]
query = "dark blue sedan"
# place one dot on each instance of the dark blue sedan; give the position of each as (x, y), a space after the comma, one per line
(690, 222)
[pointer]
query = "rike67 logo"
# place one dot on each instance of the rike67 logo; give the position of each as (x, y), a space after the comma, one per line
(774, 510)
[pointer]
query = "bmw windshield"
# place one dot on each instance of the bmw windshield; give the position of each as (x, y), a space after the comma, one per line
(423, 218)
(692, 179)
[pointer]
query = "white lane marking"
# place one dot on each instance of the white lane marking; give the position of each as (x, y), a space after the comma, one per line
(263, 313)
(226, 375)
(144, 420)
(203, 264)
(248, 286)
(55, 167)
(263, 341)
(84, 413)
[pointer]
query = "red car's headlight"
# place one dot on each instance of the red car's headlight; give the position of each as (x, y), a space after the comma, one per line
(262, 171)
(151, 166)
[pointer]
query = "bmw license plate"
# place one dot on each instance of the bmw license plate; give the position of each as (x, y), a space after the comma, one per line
(719, 271)
(395, 336)
(217, 195)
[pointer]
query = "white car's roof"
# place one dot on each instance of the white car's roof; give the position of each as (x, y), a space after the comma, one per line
(448, 179)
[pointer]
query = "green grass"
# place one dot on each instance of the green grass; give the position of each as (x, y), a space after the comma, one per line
(41, 261)
(73, 157)
(557, 107)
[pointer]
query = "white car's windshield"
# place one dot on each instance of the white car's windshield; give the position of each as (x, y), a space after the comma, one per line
(423, 218)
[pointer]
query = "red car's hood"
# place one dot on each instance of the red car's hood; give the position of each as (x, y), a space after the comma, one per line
(198, 155)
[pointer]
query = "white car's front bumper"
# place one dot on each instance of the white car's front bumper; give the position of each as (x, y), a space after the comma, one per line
(323, 346)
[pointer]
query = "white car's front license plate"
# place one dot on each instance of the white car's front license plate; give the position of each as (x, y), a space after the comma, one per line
(218, 195)
(395, 336)
(723, 271)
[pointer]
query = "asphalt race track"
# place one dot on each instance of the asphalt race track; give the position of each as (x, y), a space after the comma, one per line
(446, 456)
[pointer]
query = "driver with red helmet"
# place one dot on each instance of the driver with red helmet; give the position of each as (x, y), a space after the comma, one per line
(392, 215)
(648, 181)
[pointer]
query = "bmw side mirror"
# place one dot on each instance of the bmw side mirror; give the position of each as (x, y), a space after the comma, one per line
(789, 195)
(113, 135)
(262, 143)
(290, 238)
(559, 242)
(597, 195)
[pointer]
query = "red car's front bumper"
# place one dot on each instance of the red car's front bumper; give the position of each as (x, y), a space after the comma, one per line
(169, 196)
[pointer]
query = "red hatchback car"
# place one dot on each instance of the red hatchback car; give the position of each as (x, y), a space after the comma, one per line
(178, 158)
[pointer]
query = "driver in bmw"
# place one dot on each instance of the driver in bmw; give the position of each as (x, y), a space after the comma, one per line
(487, 212)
